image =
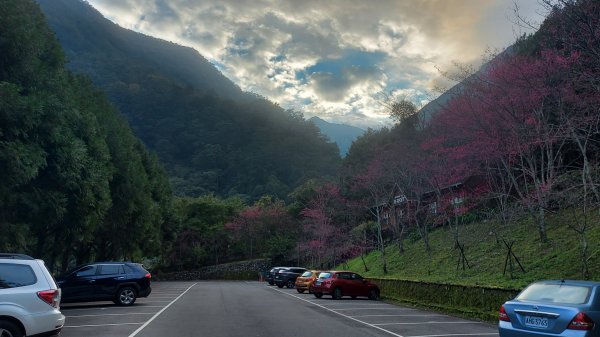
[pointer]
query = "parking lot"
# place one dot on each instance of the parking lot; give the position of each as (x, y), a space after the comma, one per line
(396, 320)
(107, 319)
(229, 308)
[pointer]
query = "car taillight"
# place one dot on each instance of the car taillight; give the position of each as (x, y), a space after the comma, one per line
(148, 275)
(52, 297)
(502, 315)
(581, 322)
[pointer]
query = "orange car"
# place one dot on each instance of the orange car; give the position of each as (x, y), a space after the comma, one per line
(305, 281)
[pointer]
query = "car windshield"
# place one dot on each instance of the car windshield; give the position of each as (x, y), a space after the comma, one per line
(555, 293)
(307, 274)
(325, 275)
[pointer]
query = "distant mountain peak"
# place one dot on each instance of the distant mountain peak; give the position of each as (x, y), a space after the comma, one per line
(343, 135)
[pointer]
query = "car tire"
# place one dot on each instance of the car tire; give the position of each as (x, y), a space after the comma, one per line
(126, 296)
(279, 285)
(337, 293)
(9, 329)
(374, 294)
(290, 284)
(318, 295)
(300, 290)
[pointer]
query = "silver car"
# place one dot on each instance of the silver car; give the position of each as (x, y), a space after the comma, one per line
(553, 308)
(29, 298)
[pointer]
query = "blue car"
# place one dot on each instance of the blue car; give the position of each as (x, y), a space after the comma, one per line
(553, 308)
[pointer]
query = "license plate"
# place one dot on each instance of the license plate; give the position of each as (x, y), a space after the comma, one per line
(536, 322)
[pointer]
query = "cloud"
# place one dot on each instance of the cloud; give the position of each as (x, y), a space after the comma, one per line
(327, 58)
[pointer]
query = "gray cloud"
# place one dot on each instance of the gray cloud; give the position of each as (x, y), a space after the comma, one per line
(269, 46)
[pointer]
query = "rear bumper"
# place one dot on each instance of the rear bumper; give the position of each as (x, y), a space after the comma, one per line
(506, 329)
(47, 334)
(45, 324)
(145, 293)
(321, 289)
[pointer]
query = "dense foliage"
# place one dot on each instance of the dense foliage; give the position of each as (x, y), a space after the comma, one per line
(76, 184)
(211, 137)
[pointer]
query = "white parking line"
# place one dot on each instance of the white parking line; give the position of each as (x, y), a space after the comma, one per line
(67, 309)
(461, 334)
(390, 308)
(160, 312)
(407, 315)
(335, 312)
(421, 323)
(97, 325)
(127, 313)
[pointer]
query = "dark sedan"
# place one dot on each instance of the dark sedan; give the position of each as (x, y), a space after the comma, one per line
(120, 282)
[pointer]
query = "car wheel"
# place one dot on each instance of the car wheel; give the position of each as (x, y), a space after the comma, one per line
(373, 294)
(337, 293)
(9, 329)
(125, 296)
(318, 295)
(279, 285)
(300, 290)
(290, 284)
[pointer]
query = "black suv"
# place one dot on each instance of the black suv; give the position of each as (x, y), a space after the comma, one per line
(287, 276)
(120, 282)
(271, 274)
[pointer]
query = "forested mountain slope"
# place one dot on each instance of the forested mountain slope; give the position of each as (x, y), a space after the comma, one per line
(212, 137)
(74, 178)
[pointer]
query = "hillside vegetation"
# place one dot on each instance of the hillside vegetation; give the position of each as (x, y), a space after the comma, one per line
(486, 252)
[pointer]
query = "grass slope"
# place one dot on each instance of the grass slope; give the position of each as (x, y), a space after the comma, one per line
(559, 258)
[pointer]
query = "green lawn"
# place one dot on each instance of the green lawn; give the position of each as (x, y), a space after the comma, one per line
(558, 258)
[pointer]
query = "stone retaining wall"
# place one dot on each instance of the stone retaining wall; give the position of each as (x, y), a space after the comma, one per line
(244, 270)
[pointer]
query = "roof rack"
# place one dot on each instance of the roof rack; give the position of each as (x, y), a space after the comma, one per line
(15, 256)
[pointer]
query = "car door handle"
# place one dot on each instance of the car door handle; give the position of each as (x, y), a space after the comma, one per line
(121, 278)
(92, 281)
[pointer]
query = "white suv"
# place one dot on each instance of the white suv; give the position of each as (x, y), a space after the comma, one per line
(29, 298)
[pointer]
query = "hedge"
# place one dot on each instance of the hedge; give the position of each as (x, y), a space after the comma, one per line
(470, 301)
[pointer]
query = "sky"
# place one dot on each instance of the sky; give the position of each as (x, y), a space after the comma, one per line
(341, 60)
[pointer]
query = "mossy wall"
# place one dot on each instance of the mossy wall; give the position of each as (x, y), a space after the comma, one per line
(471, 301)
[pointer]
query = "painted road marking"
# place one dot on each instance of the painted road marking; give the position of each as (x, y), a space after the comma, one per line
(461, 334)
(335, 312)
(160, 312)
(100, 315)
(98, 325)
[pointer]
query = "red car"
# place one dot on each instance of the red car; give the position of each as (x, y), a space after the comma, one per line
(344, 283)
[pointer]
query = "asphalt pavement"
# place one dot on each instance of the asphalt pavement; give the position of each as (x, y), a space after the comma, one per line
(253, 309)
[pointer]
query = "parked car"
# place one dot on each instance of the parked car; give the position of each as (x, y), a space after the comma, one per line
(305, 281)
(287, 276)
(553, 308)
(270, 277)
(29, 298)
(120, 282)
(344, 283)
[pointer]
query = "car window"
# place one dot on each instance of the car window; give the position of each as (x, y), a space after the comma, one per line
(16, 275)
(555, 293)
(86, 271)
(345, 276)
(357, 277)
(111, 269)
(307, 274)
(325, 275)
(298, 270)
